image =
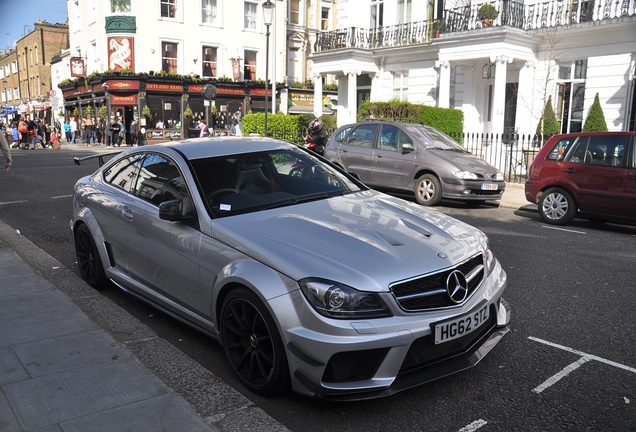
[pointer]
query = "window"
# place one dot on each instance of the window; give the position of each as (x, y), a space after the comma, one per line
(209, 59)
(16, 93)
(168, 8)
(363, 136)
(392, 138)
(123, 173)
(404, 11)
(377, 14)
(294, 12)
(571, 96)
(560, 148)
(209, 12)
(169, 57)
(601, 150)
(14, 66)
(401, 85)
(250, 15)
(160, 180)
(250, 65)
(119, 6)
(164, 109)
(324, 19)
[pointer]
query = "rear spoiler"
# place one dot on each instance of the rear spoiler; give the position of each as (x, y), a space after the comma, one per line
(99, 157)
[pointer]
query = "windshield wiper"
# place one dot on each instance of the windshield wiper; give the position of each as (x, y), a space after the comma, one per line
(301, 199)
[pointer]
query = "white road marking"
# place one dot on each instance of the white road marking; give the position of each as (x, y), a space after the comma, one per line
(62, 196)
(474, 426)
(563, 229)
(13, 202)
(585, 357)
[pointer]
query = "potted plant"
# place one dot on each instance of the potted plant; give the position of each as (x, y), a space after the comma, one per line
(102, 112)
(145, 111)
(437, 25)
(487, 14)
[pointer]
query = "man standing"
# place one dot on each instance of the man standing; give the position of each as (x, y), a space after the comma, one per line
(113, 132)
(4, 147)
(73, 125)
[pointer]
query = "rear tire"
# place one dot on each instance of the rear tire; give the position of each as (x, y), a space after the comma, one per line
(557, 207)
(253, 344)
(88, 259)
(428, 190)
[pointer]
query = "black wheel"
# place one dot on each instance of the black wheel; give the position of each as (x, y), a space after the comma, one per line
(88, 260)
(557, 207)
(428, 190)
(252, 344)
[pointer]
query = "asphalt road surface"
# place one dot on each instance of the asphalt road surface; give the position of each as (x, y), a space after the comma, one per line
(568, 363)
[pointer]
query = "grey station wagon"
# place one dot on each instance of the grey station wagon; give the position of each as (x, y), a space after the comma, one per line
(413, 157)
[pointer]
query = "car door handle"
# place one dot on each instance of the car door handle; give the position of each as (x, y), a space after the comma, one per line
(569, 170)
(127, 213)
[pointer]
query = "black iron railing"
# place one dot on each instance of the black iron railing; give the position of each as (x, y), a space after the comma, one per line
(550, 14)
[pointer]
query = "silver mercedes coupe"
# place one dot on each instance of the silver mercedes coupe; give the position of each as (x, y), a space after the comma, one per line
(309, 279)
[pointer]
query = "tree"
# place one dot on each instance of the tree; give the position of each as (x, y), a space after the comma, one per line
(548, 123)
(595, 121)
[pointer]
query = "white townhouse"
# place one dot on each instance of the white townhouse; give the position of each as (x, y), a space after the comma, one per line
(499, 72)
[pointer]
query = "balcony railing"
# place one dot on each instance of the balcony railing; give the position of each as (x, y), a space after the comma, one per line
(549, 14)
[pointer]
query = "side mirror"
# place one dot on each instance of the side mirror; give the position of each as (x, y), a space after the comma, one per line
(407, 147)
(172, 210)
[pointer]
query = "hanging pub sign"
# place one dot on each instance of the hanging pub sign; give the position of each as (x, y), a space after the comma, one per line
(77, 67)
(121, 53)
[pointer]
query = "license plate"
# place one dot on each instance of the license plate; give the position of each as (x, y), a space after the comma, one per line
(489, 186)
(458, 327)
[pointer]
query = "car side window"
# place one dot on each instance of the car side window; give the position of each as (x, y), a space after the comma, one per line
(363, 135)
(608, 151)
(389, 137)
(160, 180)
(123, 173)
(560, 148)
(579, 152)
(340, 136)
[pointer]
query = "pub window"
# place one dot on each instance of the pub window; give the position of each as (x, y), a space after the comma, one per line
(250, 15)
(250, 65)
(208, 55)
(209, 11)
(168, 8)
(169, 57)
(164, 109)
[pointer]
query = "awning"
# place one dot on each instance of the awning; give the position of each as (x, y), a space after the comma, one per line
(307, 109)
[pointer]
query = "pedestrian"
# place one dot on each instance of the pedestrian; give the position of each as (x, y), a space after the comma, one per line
(4, 147)
(67, 131)
(88, 131)
(73, 125)
(159, 124)
(99, 131)
(133, 133)
(235, 130)
(113, 132)
(203, 129)
(16, 134)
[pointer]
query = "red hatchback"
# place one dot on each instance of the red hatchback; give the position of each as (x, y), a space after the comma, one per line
(592, 175)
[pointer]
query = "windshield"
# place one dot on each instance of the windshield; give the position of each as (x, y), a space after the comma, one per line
(248, 182)
(434, 139)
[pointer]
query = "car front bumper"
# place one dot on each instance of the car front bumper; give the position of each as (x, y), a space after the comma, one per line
(357, 360)
(471, 190)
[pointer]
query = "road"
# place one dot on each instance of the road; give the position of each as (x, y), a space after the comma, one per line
(568, 363)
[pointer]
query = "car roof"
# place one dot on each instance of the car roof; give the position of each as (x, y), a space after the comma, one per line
(586, 134)
(197, 148)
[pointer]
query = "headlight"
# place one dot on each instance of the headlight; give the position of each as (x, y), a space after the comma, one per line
(490, 259)
(499, 176)
(466, 175)
(335, 300)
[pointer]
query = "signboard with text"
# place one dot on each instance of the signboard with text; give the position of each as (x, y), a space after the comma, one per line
(121, 53)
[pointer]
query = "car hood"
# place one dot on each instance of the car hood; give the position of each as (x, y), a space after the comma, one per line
(365, 240)
(466, 161)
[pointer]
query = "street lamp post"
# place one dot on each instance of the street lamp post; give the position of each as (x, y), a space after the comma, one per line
(268, 15)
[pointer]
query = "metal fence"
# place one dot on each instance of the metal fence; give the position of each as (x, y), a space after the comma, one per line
(510, 153)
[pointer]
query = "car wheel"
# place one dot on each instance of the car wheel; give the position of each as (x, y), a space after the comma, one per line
(88, 260)
(557, 207)
(252, 344)
(428, 190)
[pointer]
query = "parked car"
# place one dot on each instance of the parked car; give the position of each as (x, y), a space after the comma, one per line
(591, 175)
(415, 158)
(308, 278)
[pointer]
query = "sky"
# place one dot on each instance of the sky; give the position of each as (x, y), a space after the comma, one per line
(15, 15)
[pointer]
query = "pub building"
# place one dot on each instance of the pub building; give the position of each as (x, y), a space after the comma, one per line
(152, 101)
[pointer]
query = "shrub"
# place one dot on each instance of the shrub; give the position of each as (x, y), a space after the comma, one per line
(595, 121)
(548, 123)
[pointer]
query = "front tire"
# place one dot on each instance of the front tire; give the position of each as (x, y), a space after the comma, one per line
(253, 344)
(557, 207)
(428, 190)
(88, 260)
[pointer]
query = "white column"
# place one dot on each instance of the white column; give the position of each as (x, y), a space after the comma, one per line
(341, 112)
(499, 98)
(525, 119)
(443, 68)
(317, 94)
(352, 95)
(376, 87)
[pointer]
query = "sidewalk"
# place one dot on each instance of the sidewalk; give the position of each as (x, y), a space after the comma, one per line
(72, 360)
